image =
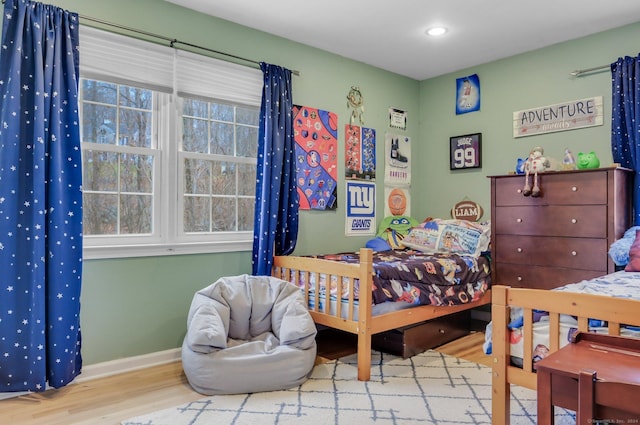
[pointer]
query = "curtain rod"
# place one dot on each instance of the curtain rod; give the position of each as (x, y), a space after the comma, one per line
(172, 41)
(579, 72)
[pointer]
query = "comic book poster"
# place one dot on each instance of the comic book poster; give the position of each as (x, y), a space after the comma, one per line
(361, 208)
(316, 140)
(360, 152)
(397, 160)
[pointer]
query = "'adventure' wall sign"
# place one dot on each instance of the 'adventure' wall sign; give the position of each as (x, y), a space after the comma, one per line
(562, 116)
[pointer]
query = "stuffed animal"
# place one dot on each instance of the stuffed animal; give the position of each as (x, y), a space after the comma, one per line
(588, 160)
(535, 163)
(394, 228)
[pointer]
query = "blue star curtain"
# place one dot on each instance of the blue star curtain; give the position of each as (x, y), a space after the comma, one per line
(40, 198)
(275, 228)
(625, 121)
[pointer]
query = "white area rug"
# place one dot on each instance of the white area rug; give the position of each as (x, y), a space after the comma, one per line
(429, 388)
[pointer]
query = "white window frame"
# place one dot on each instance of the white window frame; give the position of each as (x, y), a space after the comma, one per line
(174, 74)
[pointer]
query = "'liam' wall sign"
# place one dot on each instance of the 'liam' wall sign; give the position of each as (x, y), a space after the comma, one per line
(562, 116)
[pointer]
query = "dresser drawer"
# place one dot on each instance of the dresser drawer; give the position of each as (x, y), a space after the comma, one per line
(575, 253)
(568, 188)
(540, 277)
(589, 221)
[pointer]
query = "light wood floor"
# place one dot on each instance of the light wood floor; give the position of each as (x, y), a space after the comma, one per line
(107, 401)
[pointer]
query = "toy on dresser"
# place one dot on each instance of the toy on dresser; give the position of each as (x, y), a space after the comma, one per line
(588, 160)
(535, 163)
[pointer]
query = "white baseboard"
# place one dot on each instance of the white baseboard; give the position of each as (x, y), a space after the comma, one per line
(128, 364)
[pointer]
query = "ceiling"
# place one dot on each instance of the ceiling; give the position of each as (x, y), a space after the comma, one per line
(391, 35)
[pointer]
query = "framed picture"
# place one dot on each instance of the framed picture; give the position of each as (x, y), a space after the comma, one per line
(465, 151)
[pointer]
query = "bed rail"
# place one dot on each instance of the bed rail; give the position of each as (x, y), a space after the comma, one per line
(616, 311)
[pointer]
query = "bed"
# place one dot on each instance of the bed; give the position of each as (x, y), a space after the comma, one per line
(528, 324)
(352, 292)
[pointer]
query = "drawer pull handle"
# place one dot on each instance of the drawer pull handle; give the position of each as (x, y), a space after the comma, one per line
(519, 190)
(574, 253)
(518, 220)
(574, 189)
(519, 249)
(441, 331)
(574, 221)
(519, 278)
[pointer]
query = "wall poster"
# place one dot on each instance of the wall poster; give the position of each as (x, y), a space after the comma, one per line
(361, 208)
(397, 153)
(360, 152)
(397, 201)
(316, 140)
(467, 94)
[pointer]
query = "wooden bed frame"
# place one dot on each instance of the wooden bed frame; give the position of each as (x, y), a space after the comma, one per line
(616, 311)
(296, 269)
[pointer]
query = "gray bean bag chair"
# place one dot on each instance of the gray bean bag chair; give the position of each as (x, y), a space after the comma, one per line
(248, 334)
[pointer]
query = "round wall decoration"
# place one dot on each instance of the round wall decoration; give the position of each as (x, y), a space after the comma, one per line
(467, 210)
(397, 202)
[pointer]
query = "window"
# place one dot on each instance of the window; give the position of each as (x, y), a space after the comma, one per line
(219, 148)
(166, 169)
(119, 154)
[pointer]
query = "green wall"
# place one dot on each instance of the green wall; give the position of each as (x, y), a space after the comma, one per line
(521, 82)
(139, 305)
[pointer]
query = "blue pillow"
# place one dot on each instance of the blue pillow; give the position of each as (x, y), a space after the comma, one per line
(378, 244)
(619, 250)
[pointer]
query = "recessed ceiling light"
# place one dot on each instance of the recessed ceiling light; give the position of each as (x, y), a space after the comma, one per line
(436, 31)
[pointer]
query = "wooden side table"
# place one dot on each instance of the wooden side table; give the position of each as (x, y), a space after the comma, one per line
(612, 358)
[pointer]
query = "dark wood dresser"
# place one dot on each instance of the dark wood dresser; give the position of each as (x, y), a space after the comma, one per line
(564, 235)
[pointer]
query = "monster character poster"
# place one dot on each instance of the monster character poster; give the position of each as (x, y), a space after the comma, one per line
(316, 139)
(360, 152)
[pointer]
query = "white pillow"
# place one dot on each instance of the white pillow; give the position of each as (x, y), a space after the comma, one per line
(440, 236)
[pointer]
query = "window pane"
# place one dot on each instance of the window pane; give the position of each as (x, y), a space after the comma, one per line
(197, 177)
(196, 214)
(245, 213)
(100, 171)
(99, 214)
(221, 112)
(98, 124)
(223, 214)
(99, 91)
(221, 138)
(136, 213)
(136, 173)
(246, 179)
(247, 116)
(135, 128)
(247, 141)
(135, 97)
(195, 137)
(195, 108)
(224, 178)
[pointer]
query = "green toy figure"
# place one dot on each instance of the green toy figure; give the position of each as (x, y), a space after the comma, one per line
(588, 160)
(394, 228)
